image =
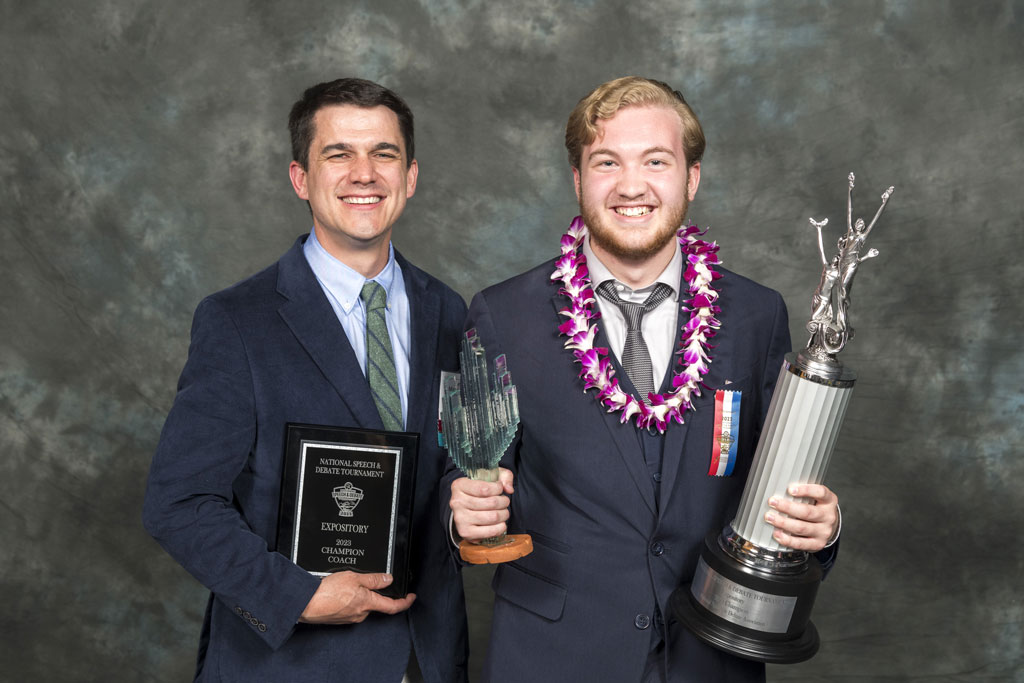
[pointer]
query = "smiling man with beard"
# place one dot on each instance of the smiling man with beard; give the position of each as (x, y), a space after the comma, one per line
(618, 348)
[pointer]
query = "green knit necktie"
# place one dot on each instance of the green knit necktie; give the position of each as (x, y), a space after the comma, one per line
(380, 359)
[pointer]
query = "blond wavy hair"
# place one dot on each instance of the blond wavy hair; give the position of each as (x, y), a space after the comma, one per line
(632, 91)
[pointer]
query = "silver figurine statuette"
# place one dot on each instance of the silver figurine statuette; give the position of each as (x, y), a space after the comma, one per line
(479, 417)
(750, 595)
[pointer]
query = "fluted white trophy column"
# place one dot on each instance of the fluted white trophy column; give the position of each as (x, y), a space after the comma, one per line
(796, 444)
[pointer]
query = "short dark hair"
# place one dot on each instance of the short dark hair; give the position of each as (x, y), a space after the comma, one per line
(355, 91)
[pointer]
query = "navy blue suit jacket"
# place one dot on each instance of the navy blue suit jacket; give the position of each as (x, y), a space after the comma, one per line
(607, 553)
(265, 352)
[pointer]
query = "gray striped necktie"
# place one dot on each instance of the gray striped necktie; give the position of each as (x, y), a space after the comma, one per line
(636, 359)
(380, 359)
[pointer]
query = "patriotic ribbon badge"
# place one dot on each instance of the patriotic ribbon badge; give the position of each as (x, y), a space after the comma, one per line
(727, 429)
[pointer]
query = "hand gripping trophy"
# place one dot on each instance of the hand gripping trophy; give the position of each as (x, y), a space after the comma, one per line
(479, 416)
(750, 595)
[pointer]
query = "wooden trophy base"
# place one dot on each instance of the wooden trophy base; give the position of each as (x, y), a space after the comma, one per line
(515, 546)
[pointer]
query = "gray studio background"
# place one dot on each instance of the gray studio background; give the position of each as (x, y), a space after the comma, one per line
(143, 164)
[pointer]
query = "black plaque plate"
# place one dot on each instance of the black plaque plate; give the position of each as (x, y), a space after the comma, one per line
(346, 501)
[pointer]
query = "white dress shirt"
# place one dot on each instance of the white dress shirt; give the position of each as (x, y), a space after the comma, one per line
(660, 327)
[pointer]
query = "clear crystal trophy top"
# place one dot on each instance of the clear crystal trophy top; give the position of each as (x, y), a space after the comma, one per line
(479, 417)
(750, 595)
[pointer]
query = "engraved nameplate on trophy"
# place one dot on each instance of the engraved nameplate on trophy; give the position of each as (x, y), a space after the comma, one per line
(346, 501)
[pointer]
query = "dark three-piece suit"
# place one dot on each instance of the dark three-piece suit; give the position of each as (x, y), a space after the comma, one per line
(617, 515)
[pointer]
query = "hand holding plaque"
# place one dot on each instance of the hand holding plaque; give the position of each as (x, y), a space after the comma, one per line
(479, 416)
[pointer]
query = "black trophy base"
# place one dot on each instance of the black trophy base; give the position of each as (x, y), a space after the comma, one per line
(750, 613)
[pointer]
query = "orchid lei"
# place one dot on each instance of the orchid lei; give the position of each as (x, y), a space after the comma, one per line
(597, 371)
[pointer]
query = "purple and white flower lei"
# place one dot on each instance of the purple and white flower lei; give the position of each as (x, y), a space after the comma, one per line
(580, 329)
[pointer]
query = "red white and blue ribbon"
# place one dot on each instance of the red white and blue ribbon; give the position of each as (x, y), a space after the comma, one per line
(727, 429)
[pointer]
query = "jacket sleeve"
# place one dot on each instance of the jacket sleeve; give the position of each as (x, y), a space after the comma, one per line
(190, 506)
(779, 344)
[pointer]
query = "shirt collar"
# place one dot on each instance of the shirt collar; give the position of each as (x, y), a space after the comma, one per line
(600, 273)
(341, 281)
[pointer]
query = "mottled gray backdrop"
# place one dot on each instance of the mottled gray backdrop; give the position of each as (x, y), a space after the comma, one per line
(143, 164)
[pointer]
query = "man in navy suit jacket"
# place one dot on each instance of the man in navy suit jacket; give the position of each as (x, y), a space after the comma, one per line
(617, 510)
(288, 345)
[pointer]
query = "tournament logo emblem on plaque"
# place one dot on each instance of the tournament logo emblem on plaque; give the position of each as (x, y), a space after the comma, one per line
(347, 497)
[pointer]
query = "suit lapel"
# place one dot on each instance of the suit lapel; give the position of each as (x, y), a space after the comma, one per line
(624, 436)
(627, 440)
(699, 423)
(425, 315)
(675, 433)
(313, 322)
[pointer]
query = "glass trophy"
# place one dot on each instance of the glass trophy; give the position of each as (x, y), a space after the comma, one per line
(479, 417)
(750, 595)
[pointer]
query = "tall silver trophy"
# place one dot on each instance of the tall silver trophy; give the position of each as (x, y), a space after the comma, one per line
(750, 595)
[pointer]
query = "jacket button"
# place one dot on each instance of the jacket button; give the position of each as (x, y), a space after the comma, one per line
(642, 621)
(238, 610)
(262, 627)
(656, 477)
(657, 548)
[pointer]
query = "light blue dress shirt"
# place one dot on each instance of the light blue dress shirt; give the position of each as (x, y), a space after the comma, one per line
(342, 286)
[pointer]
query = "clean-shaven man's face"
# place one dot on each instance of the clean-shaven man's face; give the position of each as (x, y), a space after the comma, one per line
(357, 179)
